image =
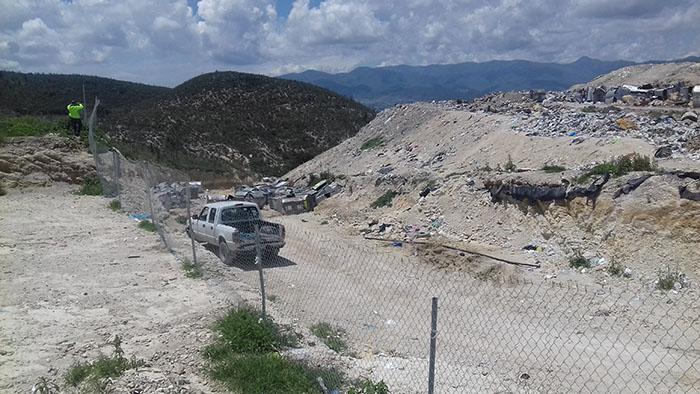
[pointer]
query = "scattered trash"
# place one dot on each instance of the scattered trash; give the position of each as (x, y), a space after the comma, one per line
(533, 247)
(139, 217)
(572, 134)
(627, 273)
(397, 244)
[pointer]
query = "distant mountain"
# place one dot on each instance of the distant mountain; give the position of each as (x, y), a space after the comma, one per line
(221, 123)
(381, 87)
(49, 94)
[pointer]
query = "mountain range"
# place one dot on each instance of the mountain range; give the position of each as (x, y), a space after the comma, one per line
(381, 87)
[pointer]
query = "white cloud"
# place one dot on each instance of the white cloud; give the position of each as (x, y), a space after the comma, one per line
(162, 41)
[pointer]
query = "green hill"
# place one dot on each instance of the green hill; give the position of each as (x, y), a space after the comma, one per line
(222, 123)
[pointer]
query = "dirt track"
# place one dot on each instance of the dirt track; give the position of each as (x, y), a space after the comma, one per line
(70, 282)
(64, 306)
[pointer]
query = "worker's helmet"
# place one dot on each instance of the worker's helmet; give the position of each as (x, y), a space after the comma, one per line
(74, 102)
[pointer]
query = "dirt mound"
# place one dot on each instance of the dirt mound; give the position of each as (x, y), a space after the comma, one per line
(39, 161)
(438, 160)
(649, 74)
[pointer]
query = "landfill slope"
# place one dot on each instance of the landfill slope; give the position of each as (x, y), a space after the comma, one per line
(440, 158)
(649, 73)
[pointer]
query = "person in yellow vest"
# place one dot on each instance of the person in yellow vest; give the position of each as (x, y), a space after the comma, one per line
(75, 108)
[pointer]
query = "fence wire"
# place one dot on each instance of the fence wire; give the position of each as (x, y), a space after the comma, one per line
(495, 333)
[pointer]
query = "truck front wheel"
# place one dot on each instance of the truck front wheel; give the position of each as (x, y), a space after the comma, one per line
(225, 254)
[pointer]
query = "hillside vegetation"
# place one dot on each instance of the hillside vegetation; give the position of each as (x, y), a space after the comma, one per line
(48, 94)
(221, 123)
(227, 122)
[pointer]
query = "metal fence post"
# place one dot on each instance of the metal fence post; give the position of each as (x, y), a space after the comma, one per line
(189, 221)
(433, 340)
(258, 262)
(115, 164)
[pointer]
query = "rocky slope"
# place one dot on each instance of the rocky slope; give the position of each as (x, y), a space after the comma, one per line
(40, 161)
(654, 74)
(465, 174)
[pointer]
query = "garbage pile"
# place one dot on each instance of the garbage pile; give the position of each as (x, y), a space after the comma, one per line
(654, 95)
(284, 197)
(174, 195)
(671, 131)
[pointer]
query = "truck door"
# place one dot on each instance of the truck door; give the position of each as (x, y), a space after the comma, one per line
(198, 225)
(209, 227)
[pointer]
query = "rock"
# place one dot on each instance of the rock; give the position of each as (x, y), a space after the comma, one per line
(627, 273)
(663, 152)
(691, 116)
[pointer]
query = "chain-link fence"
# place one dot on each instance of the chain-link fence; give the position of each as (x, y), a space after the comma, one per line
(495, 329)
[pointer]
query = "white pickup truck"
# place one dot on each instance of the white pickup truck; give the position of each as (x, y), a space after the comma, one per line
(230, 225)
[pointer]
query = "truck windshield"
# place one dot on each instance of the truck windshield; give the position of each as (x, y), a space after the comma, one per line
(232, 215)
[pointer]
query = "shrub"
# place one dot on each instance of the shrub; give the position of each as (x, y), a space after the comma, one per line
(372, 143)
(369, 387)
(384, 200)
(2, 190)
(104, 367)
(191, 270)
(549, 169)
(115, 205)
(91, 187)
(331, 336)
(578, 261)
(621, 166)
(148, 226)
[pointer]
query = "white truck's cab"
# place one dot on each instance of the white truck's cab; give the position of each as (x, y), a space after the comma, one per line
(231, 226)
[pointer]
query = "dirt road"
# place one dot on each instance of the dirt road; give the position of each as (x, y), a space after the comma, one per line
(74, 274)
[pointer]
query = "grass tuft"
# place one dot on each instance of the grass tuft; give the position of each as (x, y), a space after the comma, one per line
(510, 166)
(245, 360)
(30, 126)
(615, 268)
(331, 336)
(271, 373)
(372, 143)
(104, 367)
(246, 331)
(115, 205)
(384, 200)
(668, 279)
(553, 169)
(191, 270)
(369, 387)
(148, 226)
(620, 166)
(91, 187)
(578, 261)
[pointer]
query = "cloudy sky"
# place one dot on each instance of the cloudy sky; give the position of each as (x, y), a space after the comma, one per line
(168, 41)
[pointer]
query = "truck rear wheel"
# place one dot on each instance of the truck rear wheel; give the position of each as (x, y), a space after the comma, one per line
(225, 254)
